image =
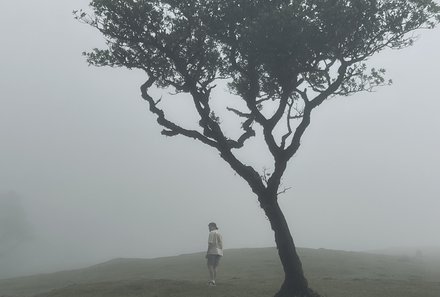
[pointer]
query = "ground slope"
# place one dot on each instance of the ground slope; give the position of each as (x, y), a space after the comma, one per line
(243, 273)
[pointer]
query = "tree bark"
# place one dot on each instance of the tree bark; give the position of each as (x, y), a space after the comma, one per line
(295, 284)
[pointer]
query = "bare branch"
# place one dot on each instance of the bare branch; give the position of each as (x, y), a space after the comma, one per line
(303, 95)
(289, 126)
(171, 129)
(240, 113)
(284, 191)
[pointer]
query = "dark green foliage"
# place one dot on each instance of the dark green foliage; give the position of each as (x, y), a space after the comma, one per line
(282, 41)
(290, 52)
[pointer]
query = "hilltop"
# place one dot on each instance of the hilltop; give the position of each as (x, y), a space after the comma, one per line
(243, 272)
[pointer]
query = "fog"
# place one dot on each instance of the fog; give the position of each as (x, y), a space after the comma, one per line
(85, 175)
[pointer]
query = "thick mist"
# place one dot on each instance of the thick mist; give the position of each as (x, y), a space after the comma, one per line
(85, 175)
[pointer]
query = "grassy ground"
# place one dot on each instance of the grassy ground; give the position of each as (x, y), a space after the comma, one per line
(237, 288)
(243, 273)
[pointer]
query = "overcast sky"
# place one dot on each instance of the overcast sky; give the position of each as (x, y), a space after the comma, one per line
(84, 166)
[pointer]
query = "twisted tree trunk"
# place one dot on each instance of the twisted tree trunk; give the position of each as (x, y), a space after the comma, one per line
(295, 284)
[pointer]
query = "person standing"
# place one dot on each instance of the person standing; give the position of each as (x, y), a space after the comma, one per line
(214, 253)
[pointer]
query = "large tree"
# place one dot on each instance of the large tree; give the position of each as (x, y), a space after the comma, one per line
(281, 59)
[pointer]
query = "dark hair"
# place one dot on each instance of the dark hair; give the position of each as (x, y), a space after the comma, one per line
(212, 224)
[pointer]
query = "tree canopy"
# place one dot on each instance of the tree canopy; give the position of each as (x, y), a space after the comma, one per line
(283, 58)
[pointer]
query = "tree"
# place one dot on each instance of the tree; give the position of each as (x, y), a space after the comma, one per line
(15, 229)
(281, 58)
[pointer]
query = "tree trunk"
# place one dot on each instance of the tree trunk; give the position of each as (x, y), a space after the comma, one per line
(295, 284)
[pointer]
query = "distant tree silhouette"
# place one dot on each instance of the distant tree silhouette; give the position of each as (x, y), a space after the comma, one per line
(15, 229)
(281, 58)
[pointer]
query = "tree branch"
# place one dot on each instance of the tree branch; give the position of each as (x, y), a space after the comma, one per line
(171, 129)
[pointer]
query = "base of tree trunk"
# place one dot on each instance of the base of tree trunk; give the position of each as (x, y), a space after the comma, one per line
(288, 291)
(310, 293)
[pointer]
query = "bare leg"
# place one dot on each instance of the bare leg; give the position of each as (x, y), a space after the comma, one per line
(212, 272)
